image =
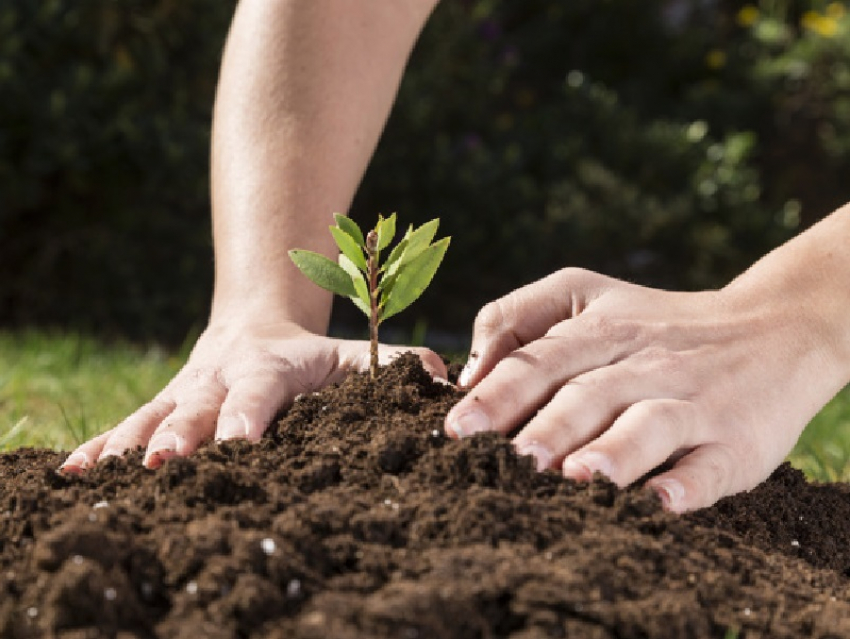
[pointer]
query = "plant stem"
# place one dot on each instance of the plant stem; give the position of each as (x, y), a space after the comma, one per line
(372, 274)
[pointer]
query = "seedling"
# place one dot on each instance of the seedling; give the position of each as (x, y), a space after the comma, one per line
(380, 290)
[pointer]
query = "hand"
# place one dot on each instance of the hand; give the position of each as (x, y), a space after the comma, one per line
(234, 382)
(602, 375)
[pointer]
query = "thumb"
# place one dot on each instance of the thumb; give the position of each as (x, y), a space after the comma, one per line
(526, 314)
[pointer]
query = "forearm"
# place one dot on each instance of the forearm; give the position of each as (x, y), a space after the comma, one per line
(809, 276)
(304, 92)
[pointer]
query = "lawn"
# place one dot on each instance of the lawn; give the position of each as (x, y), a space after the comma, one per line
(58, 390)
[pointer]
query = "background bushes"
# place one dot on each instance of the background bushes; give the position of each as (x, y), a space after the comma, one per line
(670, 143)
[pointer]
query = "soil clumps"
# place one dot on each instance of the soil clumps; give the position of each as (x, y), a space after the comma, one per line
(357, 518)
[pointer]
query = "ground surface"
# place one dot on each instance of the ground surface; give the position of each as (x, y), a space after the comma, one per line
(357, 518)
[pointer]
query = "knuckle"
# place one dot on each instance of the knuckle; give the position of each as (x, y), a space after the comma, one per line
(575, 275)
(604, 328)
(491, 317)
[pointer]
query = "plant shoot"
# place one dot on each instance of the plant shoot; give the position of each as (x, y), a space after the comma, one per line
(379, 289)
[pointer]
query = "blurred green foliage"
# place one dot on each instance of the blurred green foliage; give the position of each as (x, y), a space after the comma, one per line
(668, 142)
(104, 135)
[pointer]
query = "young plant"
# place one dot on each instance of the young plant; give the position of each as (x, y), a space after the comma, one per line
(378, 289)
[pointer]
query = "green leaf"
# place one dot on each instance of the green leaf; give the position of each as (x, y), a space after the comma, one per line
(386, 231)
(386, 287)
(350, 226)
(395, 254)
(349, 247)
(413, 278)
(323, 272)
(361, 299)
(417, 241)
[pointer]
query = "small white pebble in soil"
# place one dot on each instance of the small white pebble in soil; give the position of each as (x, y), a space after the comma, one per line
(77, 559)
(110, 594)
(298, 397)
(101, 504)
(795, 543)
(548, 556)
(268, 545)
(192, 587)
(747, 612)
(32, 612)
(801, 518)
(435, 433)
(147, 589)
(293, 588)
(92, 517)
(832, 598)
(387, 502)
(335, 449)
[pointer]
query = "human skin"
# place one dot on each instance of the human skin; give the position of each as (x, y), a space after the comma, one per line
(609, 376)
(604, 376)
(304, 92)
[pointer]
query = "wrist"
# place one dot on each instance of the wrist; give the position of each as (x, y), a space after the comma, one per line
(803, 286)
(252, 306)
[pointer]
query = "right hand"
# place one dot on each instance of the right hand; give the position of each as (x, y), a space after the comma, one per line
(235, 381)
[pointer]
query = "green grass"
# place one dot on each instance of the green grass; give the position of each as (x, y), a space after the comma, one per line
(59, 390)
(823, 451)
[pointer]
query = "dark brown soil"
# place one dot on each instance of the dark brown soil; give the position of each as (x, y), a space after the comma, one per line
(357, 517)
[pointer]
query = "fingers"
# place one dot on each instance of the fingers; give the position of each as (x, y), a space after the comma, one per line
(192, 422)
(646, 435)
(251, 405)
(586, 406)
(525, 315)
(431, 362)
(355, 356)
(699, 479)
(134, 431)
(528, 377)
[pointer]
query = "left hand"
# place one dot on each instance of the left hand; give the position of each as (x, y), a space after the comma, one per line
(603, 375)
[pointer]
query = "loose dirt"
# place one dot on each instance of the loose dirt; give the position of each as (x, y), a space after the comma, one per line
(357, 518)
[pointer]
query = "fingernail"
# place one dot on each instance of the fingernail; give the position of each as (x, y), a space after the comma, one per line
(233, 427)
(541, 454)
(165, 446)
(110, 452)
(671, 492)
(76, 461)
(582, 466)
(468, 370)
(470, 422)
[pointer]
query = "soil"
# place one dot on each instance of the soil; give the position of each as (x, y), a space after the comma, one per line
(356, 517)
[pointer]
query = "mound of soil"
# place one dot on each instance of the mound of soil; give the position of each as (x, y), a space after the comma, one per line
(357, 518)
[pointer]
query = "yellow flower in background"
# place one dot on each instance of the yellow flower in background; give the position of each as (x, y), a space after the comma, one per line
(747, 16)
(825, 26)
(836, 10)
(715, 59)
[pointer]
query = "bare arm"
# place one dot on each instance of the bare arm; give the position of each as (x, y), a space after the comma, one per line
(305, 90)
